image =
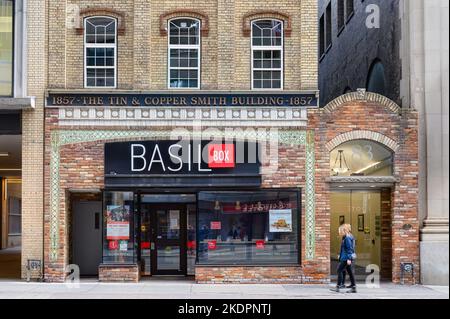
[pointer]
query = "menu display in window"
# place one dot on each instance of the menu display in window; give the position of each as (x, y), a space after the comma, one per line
(280, 220)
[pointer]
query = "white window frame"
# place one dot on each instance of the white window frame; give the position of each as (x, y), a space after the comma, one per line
(184, 46)
(267, 48)
(100, 45)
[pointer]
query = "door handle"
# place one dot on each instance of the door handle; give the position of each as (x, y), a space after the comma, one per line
(97, 221)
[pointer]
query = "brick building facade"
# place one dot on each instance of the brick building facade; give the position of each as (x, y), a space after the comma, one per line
(398, 49)
(83, 121)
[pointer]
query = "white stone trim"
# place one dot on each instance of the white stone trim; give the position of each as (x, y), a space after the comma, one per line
(183, 116)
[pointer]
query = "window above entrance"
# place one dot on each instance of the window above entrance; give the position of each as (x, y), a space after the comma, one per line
(361, 158)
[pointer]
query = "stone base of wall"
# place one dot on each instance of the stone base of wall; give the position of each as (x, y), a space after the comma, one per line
(249, 275)
(118, 273)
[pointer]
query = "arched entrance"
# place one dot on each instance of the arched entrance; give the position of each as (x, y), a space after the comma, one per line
(362, 204)
(368, 159)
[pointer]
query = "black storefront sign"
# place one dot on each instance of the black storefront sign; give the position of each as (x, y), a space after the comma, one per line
(165, 163)
(177, 99)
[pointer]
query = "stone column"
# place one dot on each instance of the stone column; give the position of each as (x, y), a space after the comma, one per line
(429, 87)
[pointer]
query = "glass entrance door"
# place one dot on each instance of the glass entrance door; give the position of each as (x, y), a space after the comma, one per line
(168, 238)
(362, 210)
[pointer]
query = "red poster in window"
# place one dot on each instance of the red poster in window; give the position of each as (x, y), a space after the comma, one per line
(212, 245)
(145, 245)
(216, 225)
(191, 244)
(260, 244)
(113, 245)
(221, 156)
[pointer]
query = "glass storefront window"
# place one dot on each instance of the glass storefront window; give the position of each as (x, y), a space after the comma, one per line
(361, 158)
(248, 228)
(118, 234)
(6, 47)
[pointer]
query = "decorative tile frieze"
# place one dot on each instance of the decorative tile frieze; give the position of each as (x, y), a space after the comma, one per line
(60, 138)
(174, 116)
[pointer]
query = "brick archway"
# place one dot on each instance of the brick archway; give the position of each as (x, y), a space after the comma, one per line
(362, 135)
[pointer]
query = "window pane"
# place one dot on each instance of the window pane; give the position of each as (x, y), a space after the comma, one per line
(267, 84)
(99, 61)
(100, 30)
(276, 84)
(257, 64)
(90, 81)
(118, 243)
(193, 63)
(257, 75)
(184, 40)
(184, 31)
(193, 74)
(257, 84)
(267, 33)
(255, 228)
(109, 73)
(361, 158)
(98, 27)
(173, 74)
(276, 64)
(6, 48)
(257, 41)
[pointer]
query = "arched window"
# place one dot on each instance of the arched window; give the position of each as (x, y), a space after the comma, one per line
(361, 158)
(267, 54)
(100, 42)
(184, 53)
(376, 80)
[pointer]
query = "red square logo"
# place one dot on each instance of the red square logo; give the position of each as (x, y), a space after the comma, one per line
(212, 244)
(221, 156)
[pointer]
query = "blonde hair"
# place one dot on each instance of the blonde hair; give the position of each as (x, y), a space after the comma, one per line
(345, 229)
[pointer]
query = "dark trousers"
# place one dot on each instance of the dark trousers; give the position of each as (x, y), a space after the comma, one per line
(342, 269)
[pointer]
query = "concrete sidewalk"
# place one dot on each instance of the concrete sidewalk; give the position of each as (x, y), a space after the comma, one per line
(160, 289)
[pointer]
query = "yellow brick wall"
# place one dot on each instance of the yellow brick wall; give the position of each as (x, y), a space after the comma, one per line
(142, 50)
(55, 60)
(33, 136)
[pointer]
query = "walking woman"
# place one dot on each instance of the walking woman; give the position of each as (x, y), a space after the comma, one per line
(346, 258)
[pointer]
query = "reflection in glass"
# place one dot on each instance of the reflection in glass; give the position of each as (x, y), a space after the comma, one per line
(168, 257)
(248, 228)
